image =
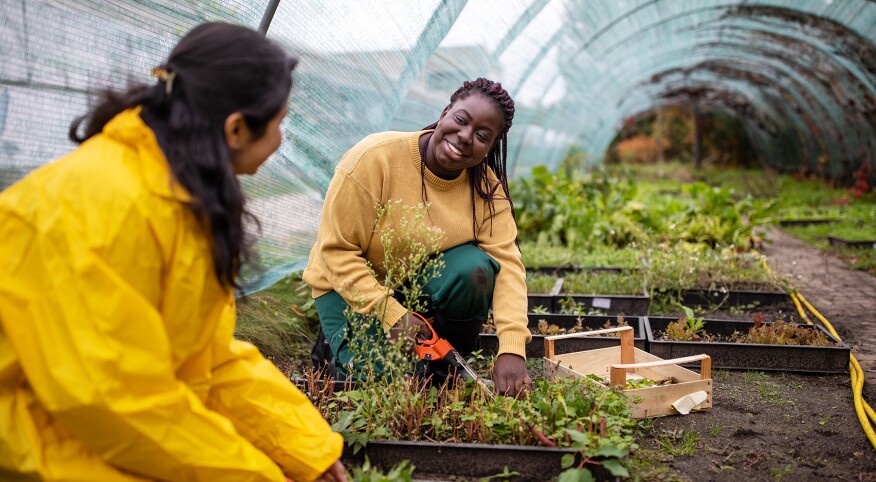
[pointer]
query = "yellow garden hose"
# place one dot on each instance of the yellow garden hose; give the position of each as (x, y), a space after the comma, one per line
(862, 408)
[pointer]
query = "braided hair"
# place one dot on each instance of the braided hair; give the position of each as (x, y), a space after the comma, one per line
(497, 157)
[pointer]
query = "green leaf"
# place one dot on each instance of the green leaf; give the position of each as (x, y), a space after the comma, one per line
(568, 460)
(576, 475)
(616, 467)
(577, 436)
(610, 451)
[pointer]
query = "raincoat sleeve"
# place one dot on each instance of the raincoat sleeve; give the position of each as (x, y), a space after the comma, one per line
(268, 410)
(96, 352)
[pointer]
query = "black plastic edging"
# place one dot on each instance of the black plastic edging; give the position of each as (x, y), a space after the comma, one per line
(566, 269)
(734, 298)
(534, 464)
(847, 243)
(750, 356)
(608, 304)
(788, 223)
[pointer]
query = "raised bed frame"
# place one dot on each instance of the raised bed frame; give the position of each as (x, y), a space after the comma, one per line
(632, 305)
(565, 269)
(534, 464)
(734, 298)
(848, 243)
(788, 223)
(617, 363)
(750, 356)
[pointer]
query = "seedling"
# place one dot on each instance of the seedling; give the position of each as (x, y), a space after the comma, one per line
(690, 328)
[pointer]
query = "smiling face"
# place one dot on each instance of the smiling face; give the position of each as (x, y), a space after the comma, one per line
(465, 133)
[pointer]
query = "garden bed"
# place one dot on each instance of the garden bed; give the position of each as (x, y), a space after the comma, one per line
(735, 298)
(838, 242)
(564, 270)
(489, 343)
(749, 356)
(604, 304)
(466, 460)
(788, 223)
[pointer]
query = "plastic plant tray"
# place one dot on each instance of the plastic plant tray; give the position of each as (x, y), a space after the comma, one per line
(470, 461)
(734, 298)
(608, 304)
(750, 356)
(848, 243)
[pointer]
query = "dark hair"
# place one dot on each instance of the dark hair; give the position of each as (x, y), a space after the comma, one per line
(497, 157)
(215, 70)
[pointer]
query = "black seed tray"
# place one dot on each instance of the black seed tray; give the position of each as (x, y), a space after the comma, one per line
(727, 299)
(847, 243)
(749, 356)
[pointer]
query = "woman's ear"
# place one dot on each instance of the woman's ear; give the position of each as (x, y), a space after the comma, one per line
(236, 131)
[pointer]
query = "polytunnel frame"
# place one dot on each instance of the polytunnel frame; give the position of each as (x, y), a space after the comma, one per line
(806, 109)
(756, 14)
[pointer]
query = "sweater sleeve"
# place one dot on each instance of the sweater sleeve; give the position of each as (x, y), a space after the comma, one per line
(497, 238)
(348, 220)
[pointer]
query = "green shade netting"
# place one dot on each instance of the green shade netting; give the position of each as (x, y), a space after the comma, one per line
(800, 75)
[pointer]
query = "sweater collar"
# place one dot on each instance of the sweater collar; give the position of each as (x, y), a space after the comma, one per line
(128, 128)
(430, 177)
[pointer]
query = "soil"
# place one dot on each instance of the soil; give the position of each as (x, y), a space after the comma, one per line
(778, 426)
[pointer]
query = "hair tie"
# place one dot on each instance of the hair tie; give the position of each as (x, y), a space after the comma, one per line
(166, 76)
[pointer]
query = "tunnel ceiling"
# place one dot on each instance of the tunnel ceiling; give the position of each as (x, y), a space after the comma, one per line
(799, 74)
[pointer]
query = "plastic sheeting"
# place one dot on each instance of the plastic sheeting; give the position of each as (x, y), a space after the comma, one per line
(800, 75)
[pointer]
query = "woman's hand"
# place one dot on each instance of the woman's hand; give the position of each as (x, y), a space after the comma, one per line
(510, 376)
(407, 329)
(335, 473)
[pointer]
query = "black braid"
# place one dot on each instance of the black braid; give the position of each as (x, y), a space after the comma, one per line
(497, 157)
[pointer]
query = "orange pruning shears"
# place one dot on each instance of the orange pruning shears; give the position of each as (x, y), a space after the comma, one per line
(436, 348)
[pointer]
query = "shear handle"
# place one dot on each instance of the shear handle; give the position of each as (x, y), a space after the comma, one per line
(421, 339)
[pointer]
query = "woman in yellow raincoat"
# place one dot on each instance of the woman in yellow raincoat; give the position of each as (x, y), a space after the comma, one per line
(118, 268)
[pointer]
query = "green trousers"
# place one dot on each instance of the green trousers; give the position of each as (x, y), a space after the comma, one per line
(459, 300)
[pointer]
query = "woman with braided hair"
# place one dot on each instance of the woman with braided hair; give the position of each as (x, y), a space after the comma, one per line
(458, 166)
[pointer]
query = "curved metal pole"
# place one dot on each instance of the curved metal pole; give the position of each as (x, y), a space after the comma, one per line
(268, 16)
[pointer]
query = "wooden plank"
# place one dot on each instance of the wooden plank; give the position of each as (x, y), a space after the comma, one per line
(617, 377)
(657, 401)
(706, 369)
(549, 348)
(626, 347)
(591, 333)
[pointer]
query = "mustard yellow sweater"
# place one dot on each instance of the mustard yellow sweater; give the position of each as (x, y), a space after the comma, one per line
(383, 168)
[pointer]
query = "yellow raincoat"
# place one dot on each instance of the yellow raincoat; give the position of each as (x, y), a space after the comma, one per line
(117, 361)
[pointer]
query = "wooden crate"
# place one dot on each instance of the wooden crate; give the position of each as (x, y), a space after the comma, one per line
(616, 364)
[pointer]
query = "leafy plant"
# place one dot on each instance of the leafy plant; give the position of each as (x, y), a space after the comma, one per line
(538, 283)
(403, 472)
(504, 475)
(679, 442)
(781, 333)
(690, 328)
(409, 409)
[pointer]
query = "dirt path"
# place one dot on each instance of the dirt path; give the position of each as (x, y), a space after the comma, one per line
(847, 298)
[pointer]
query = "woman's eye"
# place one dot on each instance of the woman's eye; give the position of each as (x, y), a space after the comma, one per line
(482, 138)
(460, 120)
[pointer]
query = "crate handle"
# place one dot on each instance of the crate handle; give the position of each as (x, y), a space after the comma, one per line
(626, 341)
(618, 373)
